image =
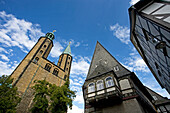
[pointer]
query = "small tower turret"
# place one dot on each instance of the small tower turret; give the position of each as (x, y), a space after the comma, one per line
(50, 35)
(65, 60)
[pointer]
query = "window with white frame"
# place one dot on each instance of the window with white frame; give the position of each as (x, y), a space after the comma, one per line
(91, 87)
(100, 85)
(109, 82)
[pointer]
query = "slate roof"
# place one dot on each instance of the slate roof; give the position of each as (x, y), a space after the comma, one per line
(102, 62)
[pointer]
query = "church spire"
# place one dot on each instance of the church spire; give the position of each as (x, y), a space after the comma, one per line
(67, 50)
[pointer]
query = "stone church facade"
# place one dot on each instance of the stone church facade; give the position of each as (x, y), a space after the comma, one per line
(111, 88)
(36, 66)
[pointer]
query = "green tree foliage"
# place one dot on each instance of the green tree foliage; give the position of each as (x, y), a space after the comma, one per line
(60, 97)
(40, 99)
(8, 95)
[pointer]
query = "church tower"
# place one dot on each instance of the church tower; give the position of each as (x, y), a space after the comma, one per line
(36, 66)
(65, 60)
(111, 88)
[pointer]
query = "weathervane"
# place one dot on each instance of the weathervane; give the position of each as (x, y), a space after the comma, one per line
(54, 31)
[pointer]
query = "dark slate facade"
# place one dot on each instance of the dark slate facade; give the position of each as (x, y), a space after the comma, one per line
(162, 104)
(110, 87)
(150, 34)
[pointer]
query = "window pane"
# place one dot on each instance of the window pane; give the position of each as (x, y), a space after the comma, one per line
(36, 60)
(100, 85)
(152, 8)
(109, 82)
(91, 88)
(162, 108)
(48, 67)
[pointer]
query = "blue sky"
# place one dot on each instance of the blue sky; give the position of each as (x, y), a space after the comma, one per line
(83, 22)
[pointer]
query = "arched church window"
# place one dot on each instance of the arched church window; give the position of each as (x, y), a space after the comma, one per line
(91, 87)
(36, 60)
(55, 71)
(48, 67)
(41, 52)
(100, 85)
(109, 82)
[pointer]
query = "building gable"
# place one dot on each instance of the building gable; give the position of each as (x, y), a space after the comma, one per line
(103, 61)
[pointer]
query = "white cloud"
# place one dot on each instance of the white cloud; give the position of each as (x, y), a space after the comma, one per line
(160, 91)
(132, 2)
(80, 99)
(72, 42)
(76, 109)
(85, 44)
(4, 57)
(77, 44)
(76, 85)
(122, 33)
(18, 32)
(56, 50)
(23, 34)
(3, 50)
(79, 70)
(155, 86)
(136, 63)
(80, 66)
(6, 68)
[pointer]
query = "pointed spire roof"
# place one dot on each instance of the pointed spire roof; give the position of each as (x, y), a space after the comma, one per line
(67, 50)
(103, 62)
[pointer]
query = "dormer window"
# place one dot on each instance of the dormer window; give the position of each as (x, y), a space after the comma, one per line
(116, 68)
(109, 82)
(91, 87)
(155, 98)
(100, 85)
